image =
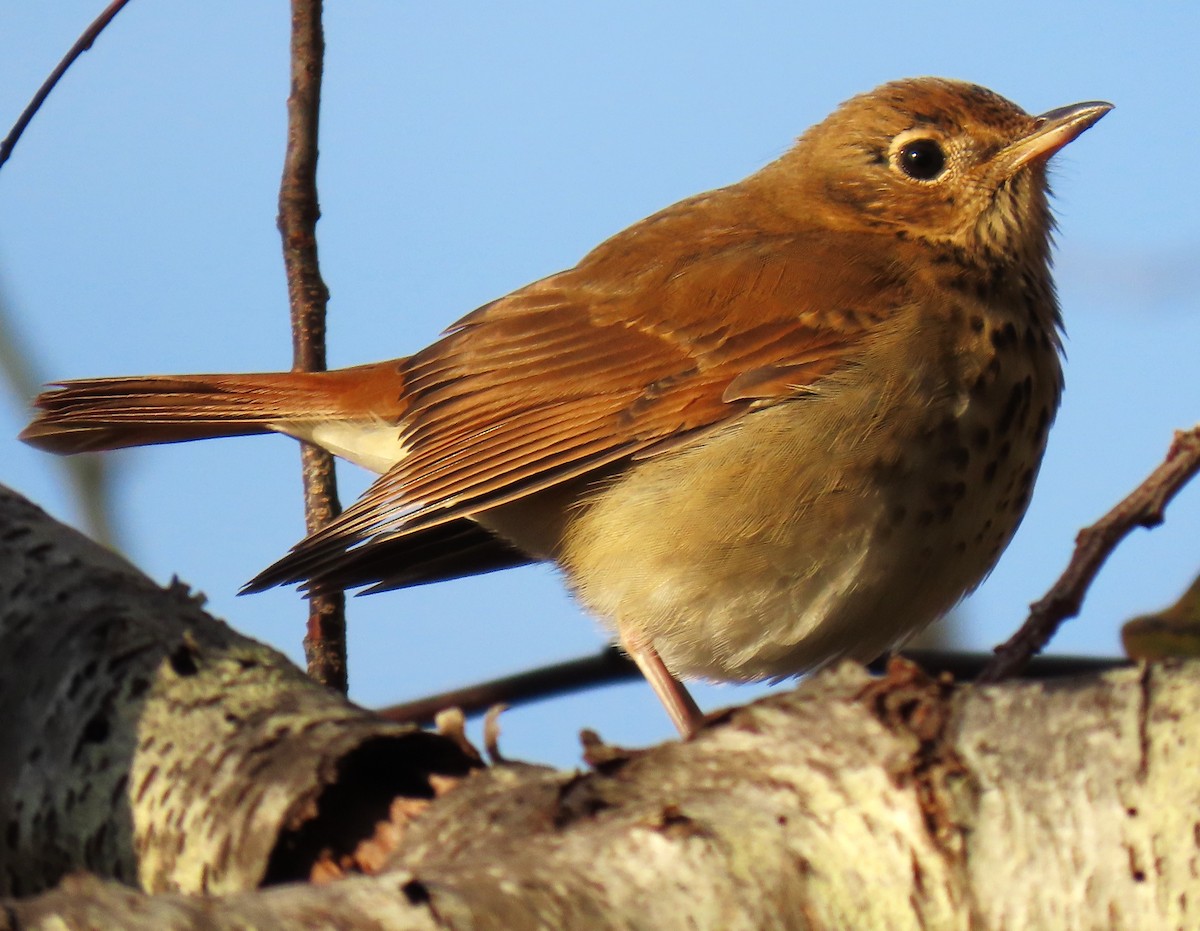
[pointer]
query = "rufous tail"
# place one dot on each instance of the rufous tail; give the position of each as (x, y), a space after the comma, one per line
(111, 413)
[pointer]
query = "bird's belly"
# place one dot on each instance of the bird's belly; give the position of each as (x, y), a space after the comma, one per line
(800, 534)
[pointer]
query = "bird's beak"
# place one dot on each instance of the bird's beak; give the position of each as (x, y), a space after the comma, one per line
(1052, 131)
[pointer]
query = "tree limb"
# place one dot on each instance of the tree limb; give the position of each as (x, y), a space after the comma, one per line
(851, 802)
(146, 741)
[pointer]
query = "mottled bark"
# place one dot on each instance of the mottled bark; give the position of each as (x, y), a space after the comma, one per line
(852, 802)
(145, 741)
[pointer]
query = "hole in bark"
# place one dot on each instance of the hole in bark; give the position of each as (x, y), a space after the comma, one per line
(96, 730)
(348, 810)
(183, 661)
(416, 892)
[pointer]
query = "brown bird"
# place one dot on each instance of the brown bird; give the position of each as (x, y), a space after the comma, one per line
(789, 420)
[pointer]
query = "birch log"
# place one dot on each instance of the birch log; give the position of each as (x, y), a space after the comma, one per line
(851, 803)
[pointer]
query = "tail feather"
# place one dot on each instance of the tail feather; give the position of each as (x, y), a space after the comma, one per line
(111, 413)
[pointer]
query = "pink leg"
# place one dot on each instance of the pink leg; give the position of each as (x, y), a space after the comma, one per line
(684, 712)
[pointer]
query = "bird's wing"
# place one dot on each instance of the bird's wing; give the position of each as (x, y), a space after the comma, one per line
(612, 359)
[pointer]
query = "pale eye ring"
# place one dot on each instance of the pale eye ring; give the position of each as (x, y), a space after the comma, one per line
(921, 159)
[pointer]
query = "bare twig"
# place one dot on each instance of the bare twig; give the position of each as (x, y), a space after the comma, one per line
(82, 44)
(325, 641)
(1142, 508)
(89, 475)
(610, 666)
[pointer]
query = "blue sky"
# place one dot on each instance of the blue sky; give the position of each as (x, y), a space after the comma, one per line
(470, 148)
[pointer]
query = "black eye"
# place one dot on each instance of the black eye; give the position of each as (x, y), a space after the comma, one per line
(922, 159)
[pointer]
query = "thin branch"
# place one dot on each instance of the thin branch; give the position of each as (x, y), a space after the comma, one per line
(325, 640)
(89, 475)
(1144, 507)
(82, 44)
(610, 666)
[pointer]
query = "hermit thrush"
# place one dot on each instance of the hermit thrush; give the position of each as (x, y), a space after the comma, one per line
(789, 420)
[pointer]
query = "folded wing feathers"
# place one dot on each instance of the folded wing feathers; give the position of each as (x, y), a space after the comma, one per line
(533, 391)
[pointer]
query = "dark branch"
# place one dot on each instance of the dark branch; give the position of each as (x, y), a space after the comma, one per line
(611, 665)
(82, 44)
(608, 666)
(325, 640)
(1143, 508)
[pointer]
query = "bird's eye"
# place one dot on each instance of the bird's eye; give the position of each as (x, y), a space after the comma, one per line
(921, 159)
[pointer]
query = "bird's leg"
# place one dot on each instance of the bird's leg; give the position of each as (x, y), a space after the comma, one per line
(685, 714)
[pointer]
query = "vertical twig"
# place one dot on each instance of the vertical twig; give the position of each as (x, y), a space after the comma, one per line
(325, 640)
